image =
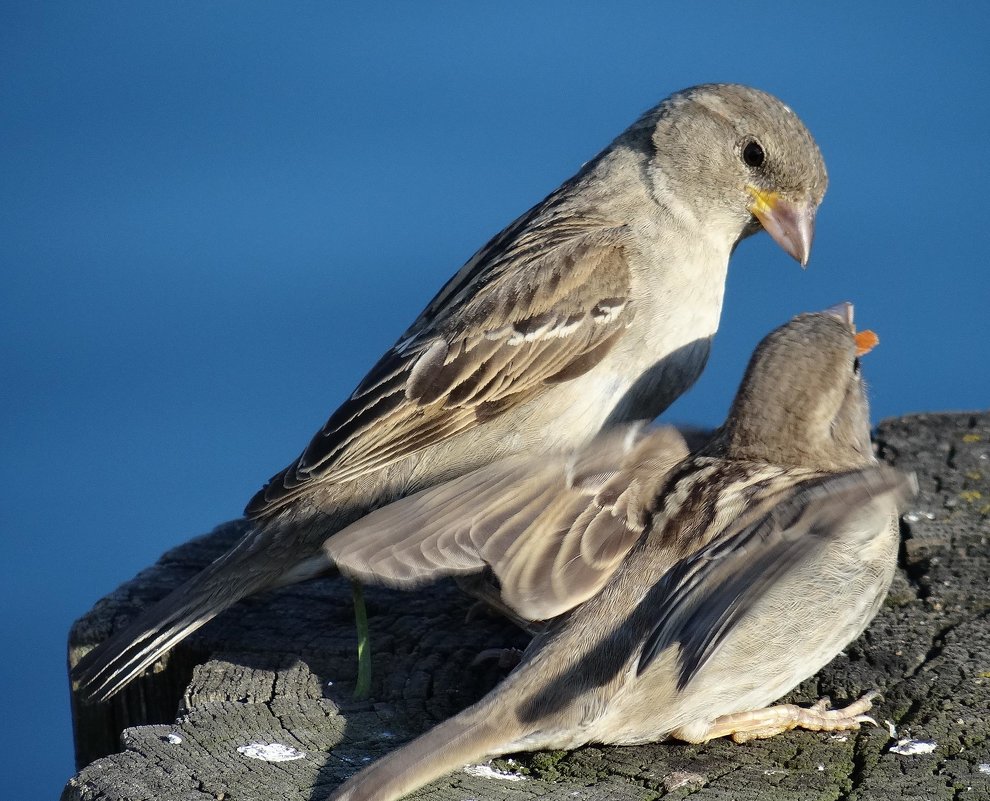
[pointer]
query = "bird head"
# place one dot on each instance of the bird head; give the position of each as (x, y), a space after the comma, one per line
(741, 160)
(803, 399)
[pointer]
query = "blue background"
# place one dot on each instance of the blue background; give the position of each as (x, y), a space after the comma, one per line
(215, 216)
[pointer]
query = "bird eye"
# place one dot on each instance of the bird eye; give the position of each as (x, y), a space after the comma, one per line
(753, 154)
(856, 366)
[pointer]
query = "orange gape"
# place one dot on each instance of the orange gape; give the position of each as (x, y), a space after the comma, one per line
(865, 342)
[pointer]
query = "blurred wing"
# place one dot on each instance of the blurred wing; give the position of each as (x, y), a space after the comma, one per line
(553, 530)
(542, 308)
(705, 595)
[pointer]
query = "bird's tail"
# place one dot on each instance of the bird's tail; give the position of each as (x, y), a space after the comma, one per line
(477, 733)
(237, 574)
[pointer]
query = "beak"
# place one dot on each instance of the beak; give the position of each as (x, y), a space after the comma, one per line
(791, 225)
(865, 340)
(844, 311)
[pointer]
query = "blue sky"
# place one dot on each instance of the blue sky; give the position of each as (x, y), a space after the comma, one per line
(215, 216)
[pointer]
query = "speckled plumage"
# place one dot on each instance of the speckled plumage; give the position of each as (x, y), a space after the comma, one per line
(595, 307)
(752, 563)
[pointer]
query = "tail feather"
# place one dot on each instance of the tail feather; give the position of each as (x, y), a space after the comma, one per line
(114, 663)
(476, 733)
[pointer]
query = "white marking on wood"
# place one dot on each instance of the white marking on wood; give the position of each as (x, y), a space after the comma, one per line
(271, 752)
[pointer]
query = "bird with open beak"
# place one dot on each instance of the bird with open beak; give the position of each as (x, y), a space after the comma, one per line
(688, 592)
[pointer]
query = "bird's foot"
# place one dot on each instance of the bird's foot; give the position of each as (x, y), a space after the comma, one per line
(507, 658)
(762, 723)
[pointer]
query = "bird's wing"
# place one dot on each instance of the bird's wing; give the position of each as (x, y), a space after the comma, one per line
(551, 529)
(705, 595)
(540, 309)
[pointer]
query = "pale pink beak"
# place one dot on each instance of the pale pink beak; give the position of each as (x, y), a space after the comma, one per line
(792, 225)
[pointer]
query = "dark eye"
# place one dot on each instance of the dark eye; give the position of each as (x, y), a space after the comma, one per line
(856, 365)
(753, 153)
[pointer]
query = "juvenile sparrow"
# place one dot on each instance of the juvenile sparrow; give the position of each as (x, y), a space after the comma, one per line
(596, 306)
(699, 591)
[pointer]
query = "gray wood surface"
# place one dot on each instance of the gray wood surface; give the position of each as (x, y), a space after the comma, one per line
(280, 668)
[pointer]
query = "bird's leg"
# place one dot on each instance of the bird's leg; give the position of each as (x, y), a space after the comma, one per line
(761, 723)
(484, 587)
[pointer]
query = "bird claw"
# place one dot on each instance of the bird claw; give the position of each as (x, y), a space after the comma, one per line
(505, 657)
(821, 705)
(773, 720)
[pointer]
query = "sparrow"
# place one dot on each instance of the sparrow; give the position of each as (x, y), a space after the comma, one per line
(685, 594)
(595, 307)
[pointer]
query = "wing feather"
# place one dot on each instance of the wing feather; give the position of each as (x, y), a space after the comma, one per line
(552, 529)
(546, 314)
(705, 596)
